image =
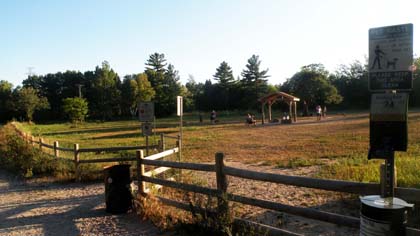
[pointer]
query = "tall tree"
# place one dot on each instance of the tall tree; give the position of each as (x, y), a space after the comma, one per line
(156, 62)
(253, 81)
(165, 82)
(351, 82)
(136, 88)
(6, 112)
(28, 101)
(225, 79)
(312, 86)
(106, 103)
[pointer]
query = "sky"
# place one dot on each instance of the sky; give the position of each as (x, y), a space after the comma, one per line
(48, 36)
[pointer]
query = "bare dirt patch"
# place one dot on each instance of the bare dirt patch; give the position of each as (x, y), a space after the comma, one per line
(295, 196)
(45, 208)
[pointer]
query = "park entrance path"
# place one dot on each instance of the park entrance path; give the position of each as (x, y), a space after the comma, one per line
(40, 208)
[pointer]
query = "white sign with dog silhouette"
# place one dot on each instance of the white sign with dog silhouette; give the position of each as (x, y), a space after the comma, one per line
(391, 58)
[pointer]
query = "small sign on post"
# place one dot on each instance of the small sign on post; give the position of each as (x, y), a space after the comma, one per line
(388, 121)
(146, 128)
(179, 107)
(391, 58)
(146, 111)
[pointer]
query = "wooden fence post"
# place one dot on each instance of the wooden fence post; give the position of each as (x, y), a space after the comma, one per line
(162, 142)
(40, 143)
(178, 144)
(140, 172)
(56, 151)
(76, 161)
(147, 145)
(222, 184)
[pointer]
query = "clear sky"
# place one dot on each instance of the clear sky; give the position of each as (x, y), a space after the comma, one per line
(195, 36)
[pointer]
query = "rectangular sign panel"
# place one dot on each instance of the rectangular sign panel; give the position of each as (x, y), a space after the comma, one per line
(146, 111)
(389, 107)
(391, 58)
(146, 128)
(179, 108)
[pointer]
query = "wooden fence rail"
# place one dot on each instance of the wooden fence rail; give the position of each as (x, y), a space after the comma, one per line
(223, 196)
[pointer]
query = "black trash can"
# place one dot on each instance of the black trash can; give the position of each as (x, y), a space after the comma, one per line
(117, 189)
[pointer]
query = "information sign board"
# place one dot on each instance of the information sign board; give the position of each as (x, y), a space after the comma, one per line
(146, 111)
(391, 58)
(146, 128)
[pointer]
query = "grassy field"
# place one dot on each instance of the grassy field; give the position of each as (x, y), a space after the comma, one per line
(338, 145)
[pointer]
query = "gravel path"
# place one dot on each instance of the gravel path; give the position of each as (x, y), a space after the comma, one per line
(45, 208)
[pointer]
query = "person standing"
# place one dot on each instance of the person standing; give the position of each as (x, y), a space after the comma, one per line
(318, 110)
(324, 111)
(213, 117)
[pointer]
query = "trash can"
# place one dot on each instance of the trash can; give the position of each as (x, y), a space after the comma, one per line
(380, 217)
(117, 189)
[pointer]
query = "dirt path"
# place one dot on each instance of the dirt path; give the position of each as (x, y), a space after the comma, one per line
(30, 208)
(289, 195)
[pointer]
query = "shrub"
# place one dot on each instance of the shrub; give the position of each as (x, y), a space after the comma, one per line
(20, 158)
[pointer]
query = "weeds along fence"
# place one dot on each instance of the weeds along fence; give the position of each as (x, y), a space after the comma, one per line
(223, 196)
(77, 150)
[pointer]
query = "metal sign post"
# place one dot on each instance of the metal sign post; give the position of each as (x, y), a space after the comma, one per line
(146, 115)
(390, 79)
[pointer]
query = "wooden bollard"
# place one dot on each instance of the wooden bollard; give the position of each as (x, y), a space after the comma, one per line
(56, 151)
(140, 172)
(76, 161)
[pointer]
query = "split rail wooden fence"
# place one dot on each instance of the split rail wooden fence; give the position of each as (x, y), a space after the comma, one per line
(76, 150)
(221, 193)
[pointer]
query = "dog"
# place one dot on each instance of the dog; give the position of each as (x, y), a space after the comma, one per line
(392, 63)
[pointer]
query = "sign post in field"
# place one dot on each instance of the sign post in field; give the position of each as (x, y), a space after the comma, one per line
(180, 113)
(146, 115)
(390, 80)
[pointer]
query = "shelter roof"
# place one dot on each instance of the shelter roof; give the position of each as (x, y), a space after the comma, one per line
(278, 96)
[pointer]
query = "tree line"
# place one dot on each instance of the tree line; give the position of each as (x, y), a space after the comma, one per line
(102, 94)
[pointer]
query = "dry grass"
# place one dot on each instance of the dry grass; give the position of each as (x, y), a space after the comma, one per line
(339, 144)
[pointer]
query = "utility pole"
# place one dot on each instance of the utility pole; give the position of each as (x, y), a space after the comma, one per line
(80, 89)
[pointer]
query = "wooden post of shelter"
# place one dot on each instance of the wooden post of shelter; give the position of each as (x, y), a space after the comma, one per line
(295, 112)
(262, 112)
(269, 111)
(76, 161)
(56, 151)
(140, 172)
(290, 109)
(222, 184)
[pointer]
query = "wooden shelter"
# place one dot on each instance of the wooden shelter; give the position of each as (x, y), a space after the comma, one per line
(279, 96)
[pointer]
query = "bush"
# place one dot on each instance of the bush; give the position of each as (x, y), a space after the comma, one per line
(22, 159)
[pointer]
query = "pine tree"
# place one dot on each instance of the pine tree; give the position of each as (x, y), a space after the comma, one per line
(253, 81)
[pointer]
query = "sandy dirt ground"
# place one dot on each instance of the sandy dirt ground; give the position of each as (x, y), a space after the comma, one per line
(45, 208)
(289, 195)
